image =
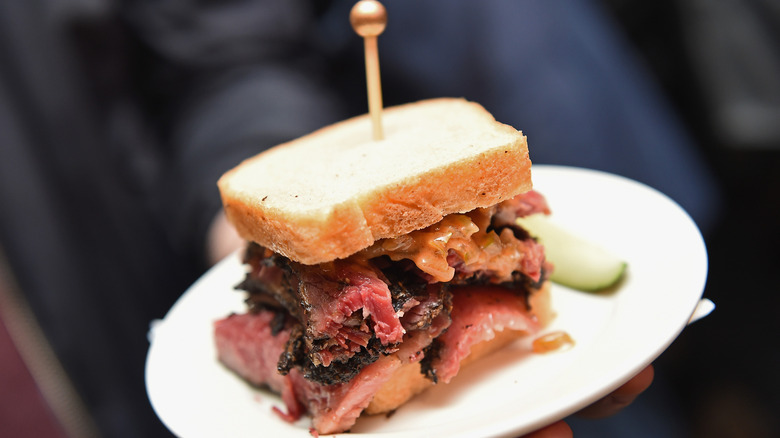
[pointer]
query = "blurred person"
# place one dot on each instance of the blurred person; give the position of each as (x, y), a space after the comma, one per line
(117, 118)
(720, 62)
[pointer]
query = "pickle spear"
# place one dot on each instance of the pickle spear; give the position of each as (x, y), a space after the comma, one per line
(579, 263)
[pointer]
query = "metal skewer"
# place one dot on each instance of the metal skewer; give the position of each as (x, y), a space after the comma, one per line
(369, 18)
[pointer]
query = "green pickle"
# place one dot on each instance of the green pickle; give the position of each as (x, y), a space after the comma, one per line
(579, 263)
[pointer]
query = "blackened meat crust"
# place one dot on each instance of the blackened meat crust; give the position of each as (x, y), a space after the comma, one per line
(273, 283)
(403, 280)
(521, 284)
(337, 372)
(431, 355)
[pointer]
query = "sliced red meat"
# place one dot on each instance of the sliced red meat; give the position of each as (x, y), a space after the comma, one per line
(522, 205)
(334, 296)
(341, 305)
(477, 313)
(246, 345)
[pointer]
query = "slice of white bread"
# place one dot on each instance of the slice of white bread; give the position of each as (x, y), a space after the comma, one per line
(335, 191)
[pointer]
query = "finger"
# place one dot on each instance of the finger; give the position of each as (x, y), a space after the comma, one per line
(621, 397)
(222, 239)
(555, 430)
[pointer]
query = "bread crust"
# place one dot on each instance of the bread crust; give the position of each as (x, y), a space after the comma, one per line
(408, 381)
(342, 209)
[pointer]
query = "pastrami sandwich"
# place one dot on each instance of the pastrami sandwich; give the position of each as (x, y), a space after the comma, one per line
(378, 268)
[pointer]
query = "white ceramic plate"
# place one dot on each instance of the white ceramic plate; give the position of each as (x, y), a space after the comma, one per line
(617, 334)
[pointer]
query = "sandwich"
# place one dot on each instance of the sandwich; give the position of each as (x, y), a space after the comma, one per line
(378, 268)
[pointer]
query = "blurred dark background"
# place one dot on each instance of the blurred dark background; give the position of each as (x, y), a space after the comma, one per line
(717, 63)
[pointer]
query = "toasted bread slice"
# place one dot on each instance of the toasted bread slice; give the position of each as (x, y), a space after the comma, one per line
(335, 191)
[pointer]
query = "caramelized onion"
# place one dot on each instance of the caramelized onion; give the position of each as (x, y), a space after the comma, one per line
(465, 240)
(552, 341)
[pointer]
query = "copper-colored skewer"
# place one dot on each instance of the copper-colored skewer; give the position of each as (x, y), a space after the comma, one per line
(369, 18)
